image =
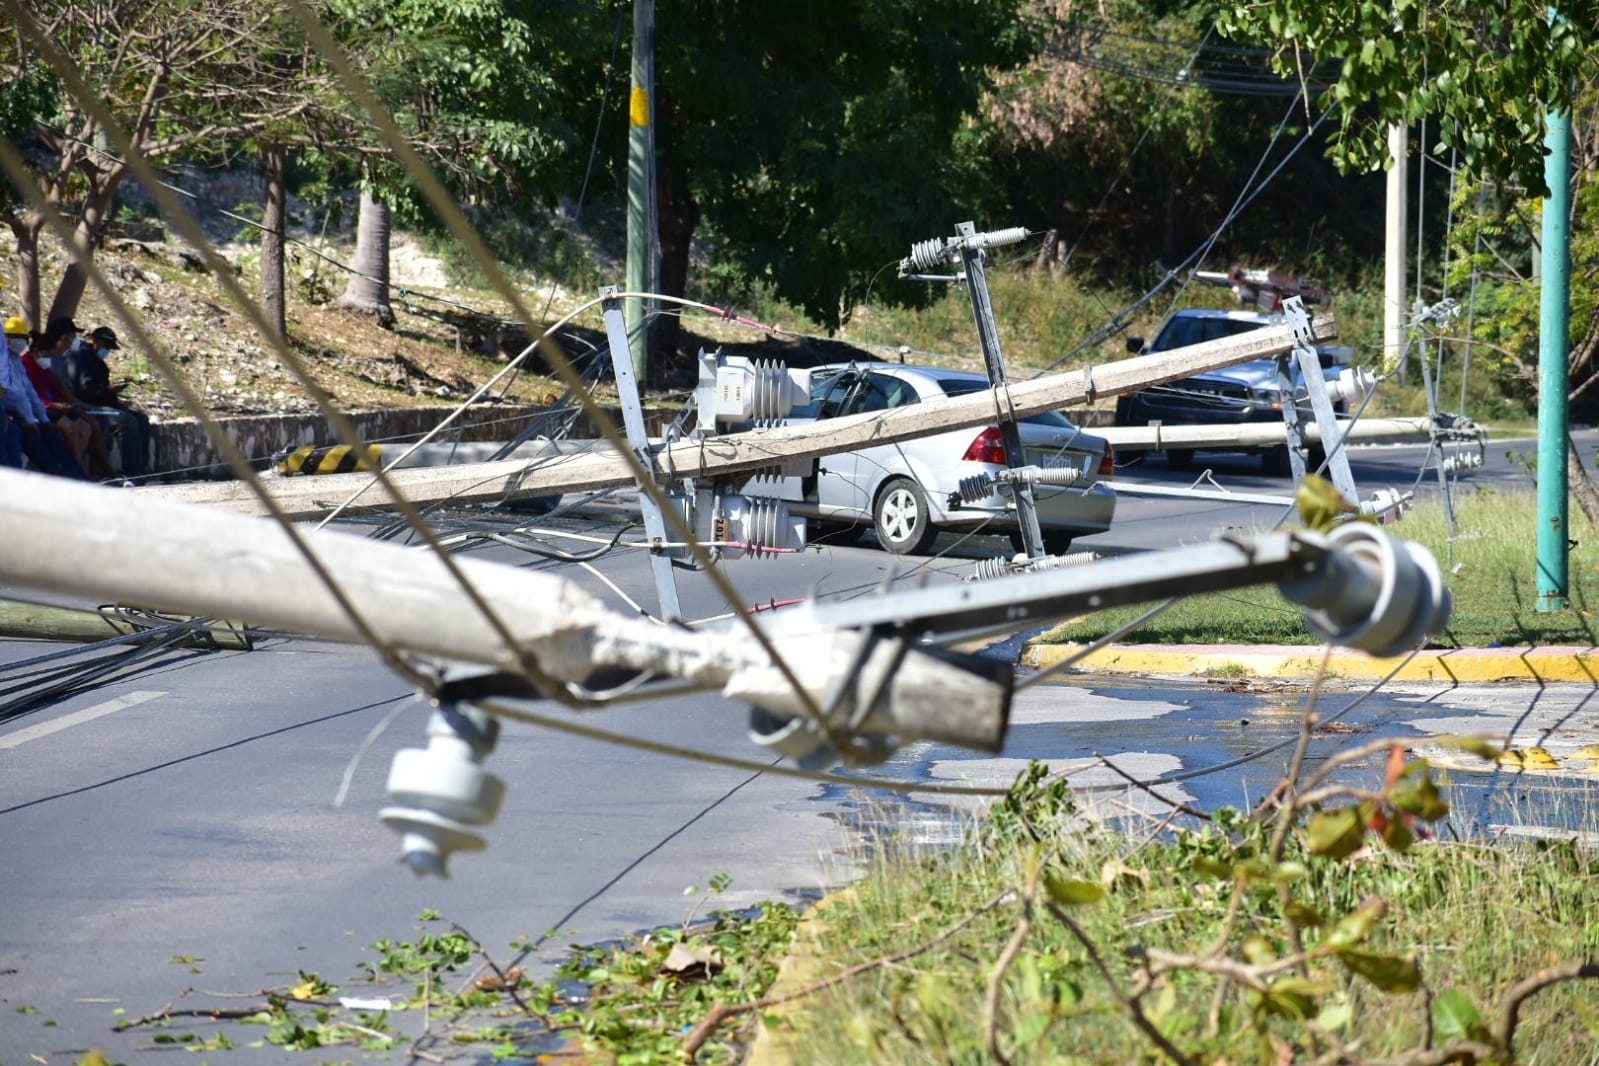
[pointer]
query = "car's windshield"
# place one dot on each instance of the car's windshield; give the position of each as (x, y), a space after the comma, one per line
(1195, 329)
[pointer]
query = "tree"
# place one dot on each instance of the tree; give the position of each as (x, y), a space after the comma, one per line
(274, 223)
(368, 287)
(471, 85)
(1134, 130)
(814, 143)
(143, 63)
(1484, 72)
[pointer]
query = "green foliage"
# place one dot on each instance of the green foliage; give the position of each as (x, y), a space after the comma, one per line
(1234, 940)
(822, 154)
(1482, 72)
(643, 995)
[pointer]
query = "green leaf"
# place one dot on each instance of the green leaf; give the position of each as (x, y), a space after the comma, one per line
(1336, 834)
(1335, 1017)
(1258, 950)
(1397, 835)
(1419, 797)
(1354, 927)
(1304, 915)
(1204, 864)
(1389, 973)
(1292, 997)
(1073, 893)
(1455, 1017)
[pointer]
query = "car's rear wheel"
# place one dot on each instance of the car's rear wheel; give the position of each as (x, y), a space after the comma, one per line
(900, 517)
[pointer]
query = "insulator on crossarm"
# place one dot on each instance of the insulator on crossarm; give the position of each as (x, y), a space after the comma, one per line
(1386, 505)
(1460, 462)
(975, 488)
(996, 238)
(985, 569)
(1041, 475)
(925, 255)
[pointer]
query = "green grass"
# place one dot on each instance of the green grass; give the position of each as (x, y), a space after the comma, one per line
(1488, 561)
(1051, 981)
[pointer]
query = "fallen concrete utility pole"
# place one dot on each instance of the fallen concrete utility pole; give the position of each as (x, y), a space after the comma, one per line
(868, 683)
(751, 450)
(32, 621)
(1256, 434)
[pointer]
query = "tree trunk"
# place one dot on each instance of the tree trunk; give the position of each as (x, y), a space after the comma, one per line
(275, 160)
(26, 230)
(679, 217)
(90, 234)
(1582, 487)
(368, 290)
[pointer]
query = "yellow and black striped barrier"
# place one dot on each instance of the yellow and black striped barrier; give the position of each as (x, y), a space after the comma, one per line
(335, 459)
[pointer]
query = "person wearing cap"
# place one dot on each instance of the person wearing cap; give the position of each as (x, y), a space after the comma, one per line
(46, 450)
(84, 367)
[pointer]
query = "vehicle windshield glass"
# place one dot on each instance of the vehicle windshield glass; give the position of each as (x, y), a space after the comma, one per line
(967, 386)
(1184, 330)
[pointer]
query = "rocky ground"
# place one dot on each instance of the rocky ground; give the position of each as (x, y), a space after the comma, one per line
(446, 341)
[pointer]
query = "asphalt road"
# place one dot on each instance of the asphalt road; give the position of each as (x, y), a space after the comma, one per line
(177, 828)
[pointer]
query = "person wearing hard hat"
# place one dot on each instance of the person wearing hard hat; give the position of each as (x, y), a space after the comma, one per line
(43, 446)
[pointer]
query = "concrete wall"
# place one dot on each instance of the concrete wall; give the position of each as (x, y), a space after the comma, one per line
(183, 451)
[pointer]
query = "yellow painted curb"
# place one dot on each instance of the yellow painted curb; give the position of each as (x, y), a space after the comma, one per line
(774, 1045)
(1551, 665)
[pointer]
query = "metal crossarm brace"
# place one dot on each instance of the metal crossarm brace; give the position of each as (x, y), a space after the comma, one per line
(972, 259)
(1305, 561)
(1320, 403)
(639, 442)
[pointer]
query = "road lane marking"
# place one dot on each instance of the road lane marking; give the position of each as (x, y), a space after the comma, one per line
(67, 721)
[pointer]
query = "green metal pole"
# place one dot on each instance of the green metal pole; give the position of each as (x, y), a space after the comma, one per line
(1553, 385)
(640, 176)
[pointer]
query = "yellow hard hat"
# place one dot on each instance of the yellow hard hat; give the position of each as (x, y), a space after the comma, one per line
(15, 327)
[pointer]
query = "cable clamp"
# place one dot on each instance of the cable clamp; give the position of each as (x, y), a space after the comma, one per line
(1007, 412)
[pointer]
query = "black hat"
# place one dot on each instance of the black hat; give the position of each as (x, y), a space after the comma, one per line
(104, 337)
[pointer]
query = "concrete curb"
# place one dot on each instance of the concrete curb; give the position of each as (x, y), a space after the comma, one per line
(1547, 665)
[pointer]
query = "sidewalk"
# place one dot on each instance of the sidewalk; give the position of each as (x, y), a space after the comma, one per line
(1547, 665)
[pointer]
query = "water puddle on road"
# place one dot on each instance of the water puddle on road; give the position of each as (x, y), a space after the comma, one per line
(1208, 743)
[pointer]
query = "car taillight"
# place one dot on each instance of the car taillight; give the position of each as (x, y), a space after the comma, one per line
(1107, 462)
(987, 447)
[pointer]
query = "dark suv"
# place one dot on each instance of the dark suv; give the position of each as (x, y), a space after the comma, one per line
(1245, 392)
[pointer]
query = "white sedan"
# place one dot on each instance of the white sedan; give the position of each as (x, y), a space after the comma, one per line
(910, 491)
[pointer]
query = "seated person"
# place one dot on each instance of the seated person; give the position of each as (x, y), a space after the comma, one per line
(46, 450)
(89, 378)
(67, 415)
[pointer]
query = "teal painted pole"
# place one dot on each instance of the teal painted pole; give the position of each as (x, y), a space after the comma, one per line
(1554, 341)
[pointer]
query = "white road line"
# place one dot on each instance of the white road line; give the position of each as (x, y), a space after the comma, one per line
(67, 721)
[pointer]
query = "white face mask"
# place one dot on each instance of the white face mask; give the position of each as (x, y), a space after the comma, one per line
(44, 361)
(18, 344)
